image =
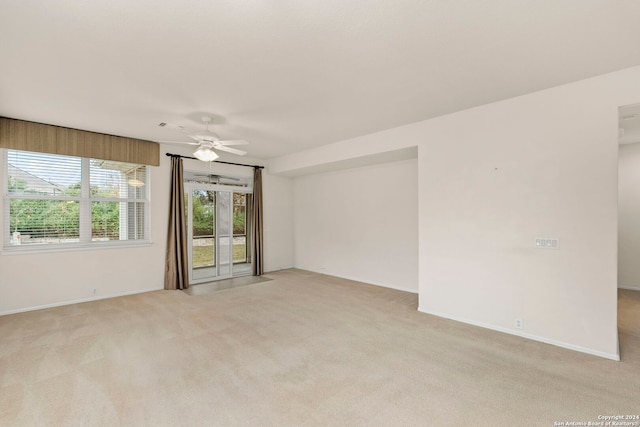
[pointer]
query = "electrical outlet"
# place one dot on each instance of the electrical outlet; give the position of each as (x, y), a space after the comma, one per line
(95, 291)
(519, 324)
(547, 243)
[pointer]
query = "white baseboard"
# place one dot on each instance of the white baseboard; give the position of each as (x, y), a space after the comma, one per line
(611, 356)
(276, 269)
(365, 281)
(630, 288)
(77, 301)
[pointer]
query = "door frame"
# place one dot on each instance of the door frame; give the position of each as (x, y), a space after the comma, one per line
(189, 187)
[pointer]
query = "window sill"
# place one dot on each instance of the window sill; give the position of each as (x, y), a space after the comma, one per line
(41, 249)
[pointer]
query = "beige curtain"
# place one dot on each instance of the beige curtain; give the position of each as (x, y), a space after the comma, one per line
(176, 271)
(257, 268)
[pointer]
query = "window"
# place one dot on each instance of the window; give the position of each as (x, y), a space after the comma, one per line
(239, 227)
(57, 201)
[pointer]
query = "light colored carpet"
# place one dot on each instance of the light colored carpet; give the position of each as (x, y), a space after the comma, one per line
(300, 350)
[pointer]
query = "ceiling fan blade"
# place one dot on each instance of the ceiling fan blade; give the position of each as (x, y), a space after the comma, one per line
(178, 142)
(206, 138)
(229, 150)
(232, 142)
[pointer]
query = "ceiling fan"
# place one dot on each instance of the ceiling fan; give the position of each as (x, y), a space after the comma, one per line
(206, 141)
(210, 178)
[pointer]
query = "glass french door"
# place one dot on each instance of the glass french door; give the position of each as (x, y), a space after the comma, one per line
(217, 231)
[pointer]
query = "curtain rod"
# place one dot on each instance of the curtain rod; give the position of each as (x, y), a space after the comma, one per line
(217, 161)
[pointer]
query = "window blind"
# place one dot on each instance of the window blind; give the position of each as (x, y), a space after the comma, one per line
(61, 200)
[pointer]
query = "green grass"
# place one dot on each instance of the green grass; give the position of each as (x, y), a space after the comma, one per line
(205, 255)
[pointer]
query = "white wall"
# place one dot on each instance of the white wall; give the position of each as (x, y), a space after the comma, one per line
(360, 224)
(495, 177)
(629, 216)
(541, 165)
(278, 222)
(29, 281)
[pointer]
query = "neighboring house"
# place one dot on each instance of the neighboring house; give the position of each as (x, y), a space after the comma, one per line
(33, 183)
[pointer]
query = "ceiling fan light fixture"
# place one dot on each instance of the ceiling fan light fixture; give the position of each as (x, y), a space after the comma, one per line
(205, 153)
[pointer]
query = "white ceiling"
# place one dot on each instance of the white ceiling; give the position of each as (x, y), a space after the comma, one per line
(290, 75)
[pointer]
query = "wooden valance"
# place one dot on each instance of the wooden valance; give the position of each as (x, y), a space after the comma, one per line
(31, 136)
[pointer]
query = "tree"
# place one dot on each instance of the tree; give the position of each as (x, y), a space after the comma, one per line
(49, 218)
(203, 213)
(17, 185)
(239, 213)
(105, 216)
(45, 218)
